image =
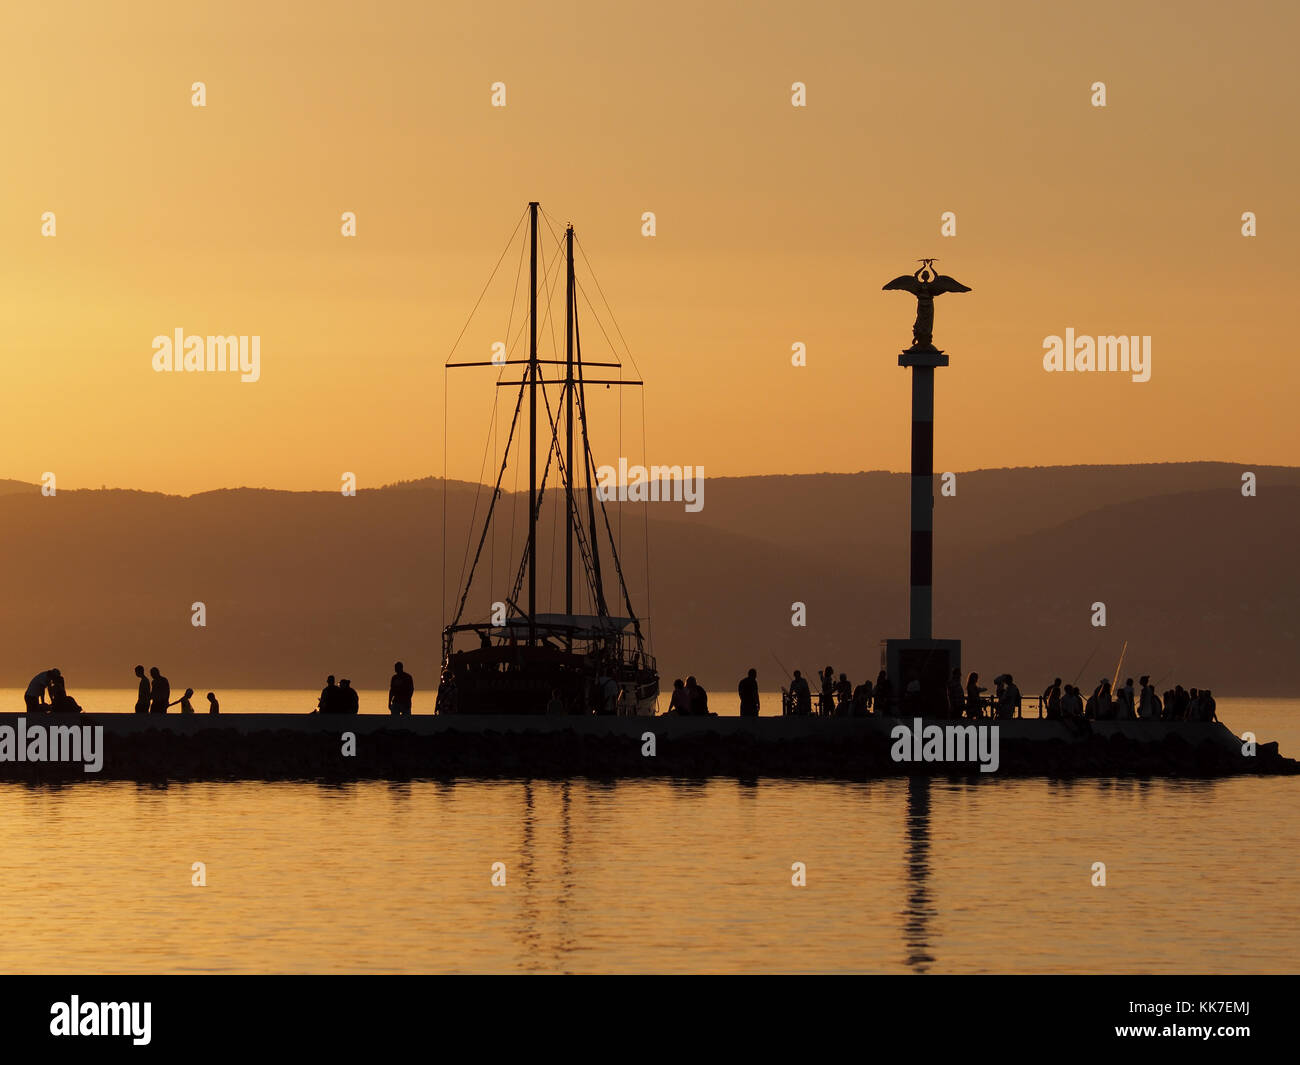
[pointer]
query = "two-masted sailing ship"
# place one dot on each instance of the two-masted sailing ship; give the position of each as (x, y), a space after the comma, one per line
(522, 659)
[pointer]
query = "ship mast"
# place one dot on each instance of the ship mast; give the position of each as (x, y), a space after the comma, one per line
(532, 424)
(569, 513)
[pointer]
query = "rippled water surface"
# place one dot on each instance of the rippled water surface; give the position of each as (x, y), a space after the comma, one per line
(902, 875)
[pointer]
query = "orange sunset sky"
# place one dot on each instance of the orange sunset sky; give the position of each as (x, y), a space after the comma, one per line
(776, 224)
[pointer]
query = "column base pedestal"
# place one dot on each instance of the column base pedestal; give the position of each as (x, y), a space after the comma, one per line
(930, 663)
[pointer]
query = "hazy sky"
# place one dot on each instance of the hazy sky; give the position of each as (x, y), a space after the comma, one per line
(776, 225)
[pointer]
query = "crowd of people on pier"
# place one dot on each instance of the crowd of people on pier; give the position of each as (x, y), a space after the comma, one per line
(837, 696)
(48, 693)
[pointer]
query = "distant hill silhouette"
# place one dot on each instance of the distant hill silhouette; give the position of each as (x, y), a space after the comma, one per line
(1197, 578)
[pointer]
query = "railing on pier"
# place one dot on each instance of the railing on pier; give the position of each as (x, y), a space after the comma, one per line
(1031, 706)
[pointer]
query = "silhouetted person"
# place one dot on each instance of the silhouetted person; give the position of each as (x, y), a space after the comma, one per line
(1124, 708)
(696, 698)
(956, 698)
(1194, 706)
(349, 703)
(843, 694)
(1052, 700)
(1181, 702)
(861, 699)
(883, 695)
(1072, 703)
(34, 696)
(800, 694)
(161, 692)
(1103, 707)
(328, 703)
(747, 689)
(60, 701)
(1209, 708)
(1170, 702)
(142, 700)
(400, 690)
(826, 704)
(1009, 705)
(556, 704)
(214, 707)
(186, 706)
(973, 691)
(679, 702)
(1148, 701)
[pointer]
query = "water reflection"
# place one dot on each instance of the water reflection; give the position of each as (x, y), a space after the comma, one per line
(918, 910)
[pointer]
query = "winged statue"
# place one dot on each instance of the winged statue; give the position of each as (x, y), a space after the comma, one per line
(925, 284)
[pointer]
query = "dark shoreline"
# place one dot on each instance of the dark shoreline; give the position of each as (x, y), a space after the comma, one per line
(310, 747)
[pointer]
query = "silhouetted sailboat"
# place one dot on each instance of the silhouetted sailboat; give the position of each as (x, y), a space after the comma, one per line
(522, 660)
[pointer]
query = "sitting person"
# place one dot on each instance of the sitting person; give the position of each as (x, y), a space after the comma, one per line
(349, 701)
(60, 701)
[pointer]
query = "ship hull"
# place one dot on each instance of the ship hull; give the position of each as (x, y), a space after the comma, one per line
(529, 681)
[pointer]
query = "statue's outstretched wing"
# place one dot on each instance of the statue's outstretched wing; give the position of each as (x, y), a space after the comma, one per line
(944, 283)
(907, 283)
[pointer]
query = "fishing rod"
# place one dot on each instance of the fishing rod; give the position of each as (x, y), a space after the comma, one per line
(1119, 665)
(785, 695)
(1075, 682)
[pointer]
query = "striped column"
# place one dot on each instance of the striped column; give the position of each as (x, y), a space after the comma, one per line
(922, 502)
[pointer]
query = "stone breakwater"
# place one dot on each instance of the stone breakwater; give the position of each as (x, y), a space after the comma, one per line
(380, 747)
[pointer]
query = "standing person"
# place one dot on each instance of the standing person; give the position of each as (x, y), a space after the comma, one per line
(1148, 700)
(1209, 708)
(160, 693)
(747, 689)
(827, 704)
(843, 694)
(956, 701)
(1051, 701)
(861, 699)
(400, 690)
(800, 694)
(1072, 704)
(973, 690)
(214, 707)
(34, 696)
(142, 700)
(186, 706)
(882, 697)
(1105, 706)
(1124, 702)
(1010, 696)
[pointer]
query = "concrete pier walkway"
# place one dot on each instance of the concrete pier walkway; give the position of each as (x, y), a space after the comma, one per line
(379, 746)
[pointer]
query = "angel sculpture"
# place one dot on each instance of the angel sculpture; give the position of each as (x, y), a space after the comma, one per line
(925, 284)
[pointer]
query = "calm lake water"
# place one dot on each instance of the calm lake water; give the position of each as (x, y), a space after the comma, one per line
(678, 876)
